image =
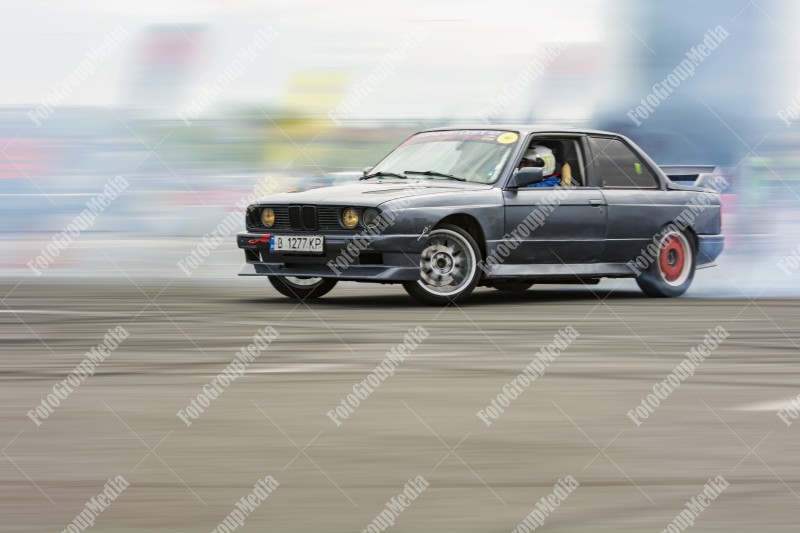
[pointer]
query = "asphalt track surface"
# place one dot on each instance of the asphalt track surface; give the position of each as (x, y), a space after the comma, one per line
(571, 421)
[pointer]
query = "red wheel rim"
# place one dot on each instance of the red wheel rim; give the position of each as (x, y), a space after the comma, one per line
(672, 259)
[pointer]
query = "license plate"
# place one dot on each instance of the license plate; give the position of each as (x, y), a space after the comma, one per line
(297, 243)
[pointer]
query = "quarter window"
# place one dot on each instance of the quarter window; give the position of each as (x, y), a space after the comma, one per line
(618, 166)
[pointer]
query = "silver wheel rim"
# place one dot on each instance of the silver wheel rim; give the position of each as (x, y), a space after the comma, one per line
(687, 259)
(301, 283)
(447, 264)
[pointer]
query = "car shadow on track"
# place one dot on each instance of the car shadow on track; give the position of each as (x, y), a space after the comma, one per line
(481, 297)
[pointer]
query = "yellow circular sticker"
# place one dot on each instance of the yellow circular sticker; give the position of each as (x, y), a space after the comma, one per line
(507, 138)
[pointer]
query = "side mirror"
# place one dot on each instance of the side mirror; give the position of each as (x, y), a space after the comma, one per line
(526, 176)
(367, 170)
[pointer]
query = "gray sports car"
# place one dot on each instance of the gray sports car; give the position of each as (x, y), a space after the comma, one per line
(502, 206)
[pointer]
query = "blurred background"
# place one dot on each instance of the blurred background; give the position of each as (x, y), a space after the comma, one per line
(196, 103)
(132, 136)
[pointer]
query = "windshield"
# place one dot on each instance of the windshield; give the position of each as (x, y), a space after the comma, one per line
(469, 155)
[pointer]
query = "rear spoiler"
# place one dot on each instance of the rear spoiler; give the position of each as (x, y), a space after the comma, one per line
(696, 175)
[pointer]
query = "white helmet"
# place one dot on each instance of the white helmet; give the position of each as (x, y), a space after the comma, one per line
(541, 156)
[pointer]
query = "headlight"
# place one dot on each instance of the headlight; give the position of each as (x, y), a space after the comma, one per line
(371, 216)
(268, 216)
(350, 218)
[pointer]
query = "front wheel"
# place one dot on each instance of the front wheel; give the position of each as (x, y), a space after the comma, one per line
(302, 288)
(672, 271)
(448, 267)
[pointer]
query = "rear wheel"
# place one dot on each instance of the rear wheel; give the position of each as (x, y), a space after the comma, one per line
(302, 288)
(673, 269)
(448, 267)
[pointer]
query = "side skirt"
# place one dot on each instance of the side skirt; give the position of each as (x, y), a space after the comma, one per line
(561, 270)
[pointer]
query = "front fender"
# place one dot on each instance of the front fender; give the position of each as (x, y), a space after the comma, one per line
(421, 215)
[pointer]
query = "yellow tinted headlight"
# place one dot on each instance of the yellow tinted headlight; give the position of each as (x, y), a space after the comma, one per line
(350, 218)
(268, 216)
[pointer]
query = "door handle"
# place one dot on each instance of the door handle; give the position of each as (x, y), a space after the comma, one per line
(597, 203)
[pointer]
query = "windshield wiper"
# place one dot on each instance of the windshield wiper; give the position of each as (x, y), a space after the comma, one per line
(434, 173)
(383, 175)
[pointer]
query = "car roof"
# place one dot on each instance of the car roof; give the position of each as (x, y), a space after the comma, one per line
(526, 128)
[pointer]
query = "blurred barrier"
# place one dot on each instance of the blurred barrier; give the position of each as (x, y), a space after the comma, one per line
(181, 186)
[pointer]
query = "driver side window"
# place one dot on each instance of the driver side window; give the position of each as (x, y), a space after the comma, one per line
(569, 160)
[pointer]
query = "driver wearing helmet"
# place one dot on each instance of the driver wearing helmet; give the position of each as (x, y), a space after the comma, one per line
(541, 156)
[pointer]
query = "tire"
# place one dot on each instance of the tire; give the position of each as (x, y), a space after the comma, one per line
(448, 267)
(512, 286)
(302, 288)
(671, 273)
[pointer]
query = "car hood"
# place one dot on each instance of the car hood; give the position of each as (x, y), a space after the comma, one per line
(371, 192)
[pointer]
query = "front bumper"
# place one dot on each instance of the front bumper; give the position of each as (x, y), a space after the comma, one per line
(708, 249)
(381, 258)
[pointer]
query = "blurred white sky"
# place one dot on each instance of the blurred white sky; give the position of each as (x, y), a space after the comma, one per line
(473, 47)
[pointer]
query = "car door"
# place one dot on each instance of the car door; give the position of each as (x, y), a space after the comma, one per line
(567, 225)
(637, 205)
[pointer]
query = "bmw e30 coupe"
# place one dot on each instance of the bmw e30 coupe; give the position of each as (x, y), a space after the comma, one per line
(501, 206)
